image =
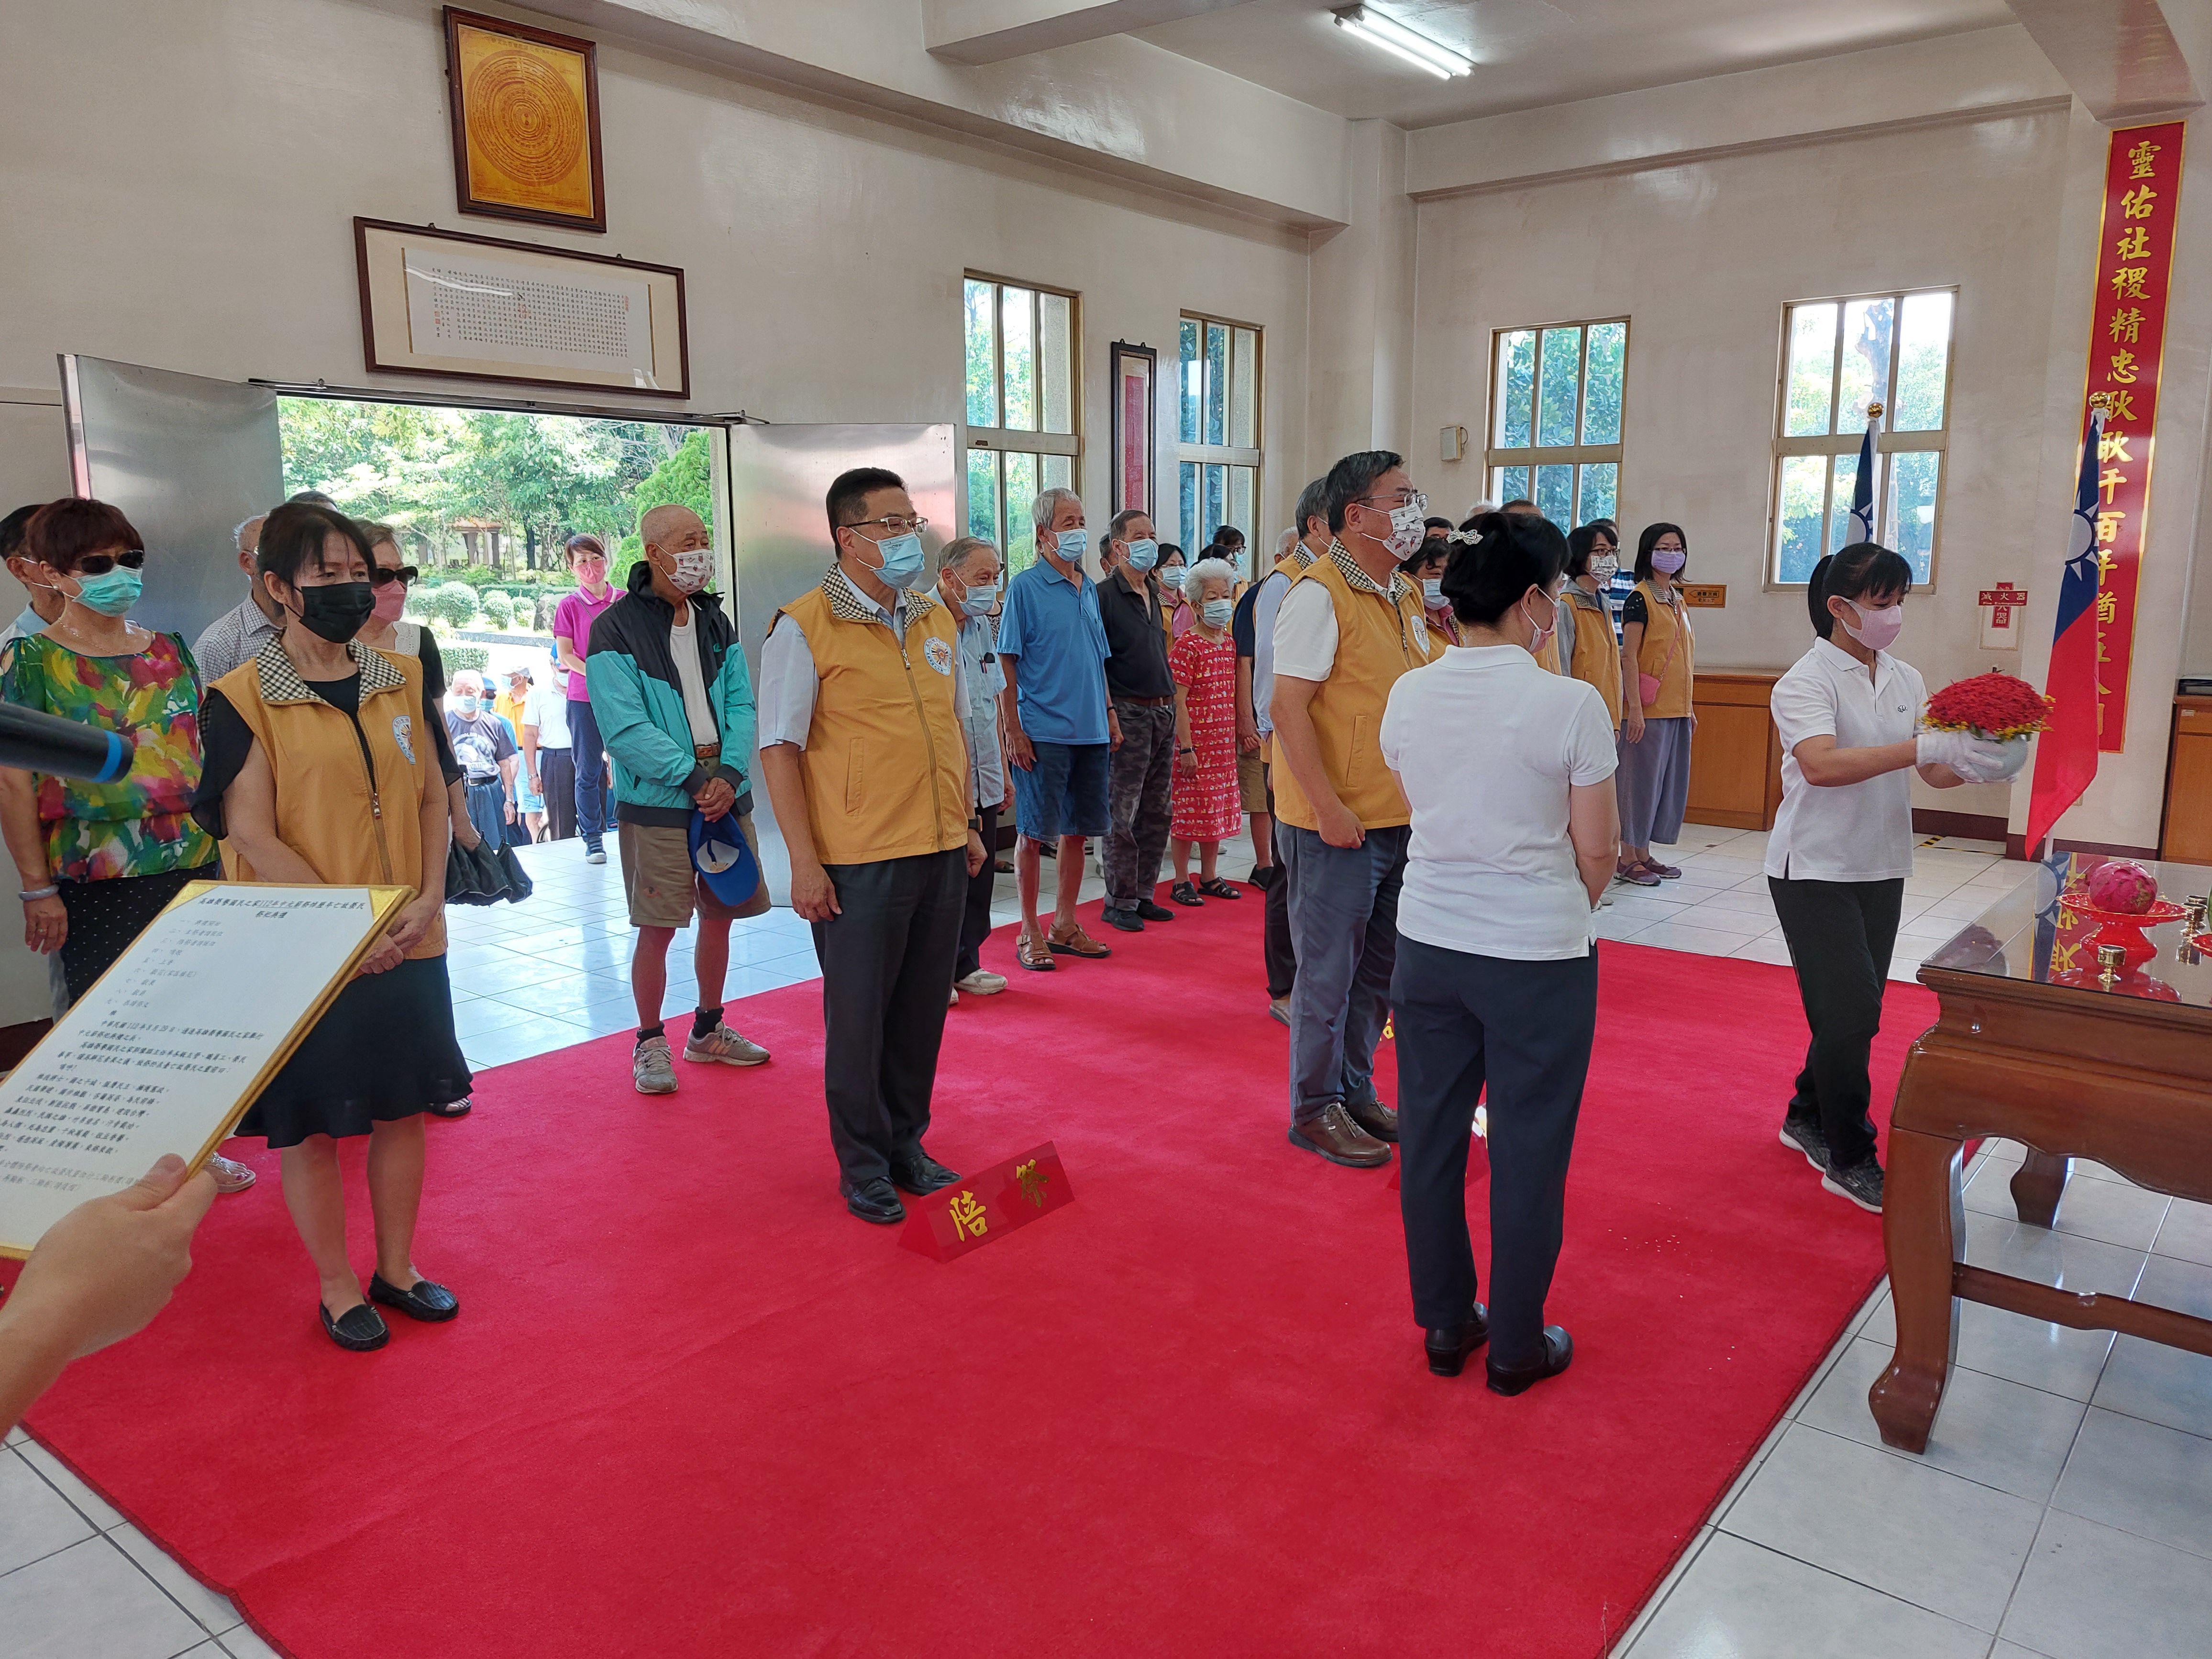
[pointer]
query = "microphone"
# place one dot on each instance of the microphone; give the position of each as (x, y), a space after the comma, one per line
(36, 742)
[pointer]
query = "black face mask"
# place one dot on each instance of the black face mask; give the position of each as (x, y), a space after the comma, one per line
(338, 612)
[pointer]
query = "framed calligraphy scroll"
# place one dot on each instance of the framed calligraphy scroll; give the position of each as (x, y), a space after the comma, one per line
(525, 109)
(1136, 424)
(2127, 348)
(172, 1044)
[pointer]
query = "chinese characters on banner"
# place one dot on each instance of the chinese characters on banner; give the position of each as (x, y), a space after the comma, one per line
(2127, 342)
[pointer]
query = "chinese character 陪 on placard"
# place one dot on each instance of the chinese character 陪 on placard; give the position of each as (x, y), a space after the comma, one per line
(968, 1220)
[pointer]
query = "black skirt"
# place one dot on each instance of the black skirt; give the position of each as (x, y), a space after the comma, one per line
(383, 1051)
(107, 916)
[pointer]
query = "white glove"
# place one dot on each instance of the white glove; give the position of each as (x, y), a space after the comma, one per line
(1977, 760)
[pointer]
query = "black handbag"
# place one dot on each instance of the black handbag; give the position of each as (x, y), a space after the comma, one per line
(485, 874)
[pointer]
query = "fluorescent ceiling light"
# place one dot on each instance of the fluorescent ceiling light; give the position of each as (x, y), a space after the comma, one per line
(1395, 37)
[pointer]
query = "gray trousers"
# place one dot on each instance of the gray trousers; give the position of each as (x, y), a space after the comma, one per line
(1525, 1030)
(886, 978)
(1139, 778)
(1344, 923)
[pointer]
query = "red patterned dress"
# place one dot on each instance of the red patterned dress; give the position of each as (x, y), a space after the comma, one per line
(1207, 807)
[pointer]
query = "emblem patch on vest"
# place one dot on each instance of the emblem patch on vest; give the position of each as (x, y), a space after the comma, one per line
(937, 654)
(403, 733)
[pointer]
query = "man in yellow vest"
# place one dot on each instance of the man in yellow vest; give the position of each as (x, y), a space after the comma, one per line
(867, 767)
(1348, 626)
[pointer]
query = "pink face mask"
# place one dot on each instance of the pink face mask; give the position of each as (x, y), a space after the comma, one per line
(391, 600)
(1877, 630)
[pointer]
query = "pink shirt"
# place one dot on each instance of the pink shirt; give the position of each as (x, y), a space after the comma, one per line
(572, 621)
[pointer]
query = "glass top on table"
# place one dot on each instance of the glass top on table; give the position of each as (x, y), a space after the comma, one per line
(2029, 934)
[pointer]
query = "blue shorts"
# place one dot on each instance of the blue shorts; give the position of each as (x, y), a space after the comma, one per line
(1065, 794)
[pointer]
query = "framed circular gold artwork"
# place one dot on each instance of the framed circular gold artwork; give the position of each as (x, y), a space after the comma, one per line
(525, 109)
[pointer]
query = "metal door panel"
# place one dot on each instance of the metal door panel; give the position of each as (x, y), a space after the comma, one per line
(779, 537)
(185, 457)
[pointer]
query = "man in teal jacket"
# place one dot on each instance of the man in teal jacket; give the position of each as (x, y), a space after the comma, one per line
(674, 705)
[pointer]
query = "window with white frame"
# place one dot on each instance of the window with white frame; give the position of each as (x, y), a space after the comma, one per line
(1023, 411)
(1555, 401)
(1839, 356)
(1218, 440)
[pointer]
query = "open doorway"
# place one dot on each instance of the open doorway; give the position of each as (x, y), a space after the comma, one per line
(483, 501)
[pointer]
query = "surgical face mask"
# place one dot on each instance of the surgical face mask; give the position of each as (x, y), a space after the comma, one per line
(1604, 566)
(978, 601)
(1668, 560)
(1175, 575)
(1878, 628)
(391, 600)
(337, 611)
(1433, 591)
(467, 704)
(1408, 529)
(1543, 635)
(111, 593)
(692, 566)
(1070, 546)
(1218, 613)
(902, 560)
(1143, 555)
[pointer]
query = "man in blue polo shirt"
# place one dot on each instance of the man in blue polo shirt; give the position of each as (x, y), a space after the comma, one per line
(1060, 729)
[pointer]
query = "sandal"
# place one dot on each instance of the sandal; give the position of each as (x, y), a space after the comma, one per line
(1033, 954)
(1075, 943)
(1218, 888)
(1184, 893)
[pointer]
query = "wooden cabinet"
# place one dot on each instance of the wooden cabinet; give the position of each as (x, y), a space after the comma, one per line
(2187, 835)
(1735, 755)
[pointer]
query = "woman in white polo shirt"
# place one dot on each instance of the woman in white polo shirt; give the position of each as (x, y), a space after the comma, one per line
(1841, 846)
(1509, 770)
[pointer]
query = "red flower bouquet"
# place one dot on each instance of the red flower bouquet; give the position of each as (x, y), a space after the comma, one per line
(1995, 705)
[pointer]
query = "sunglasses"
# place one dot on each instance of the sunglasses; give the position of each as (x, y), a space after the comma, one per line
(99, 564)
(383, 576)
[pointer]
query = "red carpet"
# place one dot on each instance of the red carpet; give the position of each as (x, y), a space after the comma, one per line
(692, 1408)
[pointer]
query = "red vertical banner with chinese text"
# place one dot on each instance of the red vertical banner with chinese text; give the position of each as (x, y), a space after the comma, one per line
(2127, 345)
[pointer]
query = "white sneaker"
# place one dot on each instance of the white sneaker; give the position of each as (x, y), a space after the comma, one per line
(724, 1047)
(955, 1003)
(651, 1069)
(982, 983)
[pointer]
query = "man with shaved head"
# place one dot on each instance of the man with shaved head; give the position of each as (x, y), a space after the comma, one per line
(674, 705)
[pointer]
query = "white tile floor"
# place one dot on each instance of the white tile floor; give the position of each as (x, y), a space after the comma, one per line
(2063, 1511)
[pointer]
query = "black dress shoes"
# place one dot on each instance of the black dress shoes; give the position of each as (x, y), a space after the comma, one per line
(1372, 1115)
(1152, 910)
(360, 1328)
(1129, 922)
(1449, 1346)
(920, 1175)
(434, 1304)
(873, 1201)
(1559, 1354)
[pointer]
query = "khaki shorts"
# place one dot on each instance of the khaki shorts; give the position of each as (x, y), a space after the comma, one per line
(661, 886)
(1251, 782)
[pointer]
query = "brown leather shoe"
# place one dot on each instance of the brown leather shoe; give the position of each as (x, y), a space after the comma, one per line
(1339, 1140)
(1075, 943)
(1372, 1115)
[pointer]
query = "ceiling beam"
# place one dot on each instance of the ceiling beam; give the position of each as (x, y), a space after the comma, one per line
(991, 31)
(2119, 55)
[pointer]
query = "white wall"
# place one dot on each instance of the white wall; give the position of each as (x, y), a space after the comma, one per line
(1701, 257)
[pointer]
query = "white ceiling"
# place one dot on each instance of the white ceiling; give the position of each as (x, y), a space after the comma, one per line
(1534, 52)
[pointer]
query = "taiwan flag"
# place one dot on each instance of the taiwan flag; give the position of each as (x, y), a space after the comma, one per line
(2066, 753)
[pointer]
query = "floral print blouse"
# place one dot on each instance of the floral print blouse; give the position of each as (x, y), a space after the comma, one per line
(140, 824)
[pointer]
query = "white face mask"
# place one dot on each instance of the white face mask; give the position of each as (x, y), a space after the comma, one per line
(1604, 566)
(1408, 528)
(692, 566)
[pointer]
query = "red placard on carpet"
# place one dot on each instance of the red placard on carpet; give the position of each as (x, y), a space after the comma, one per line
(954, 1221)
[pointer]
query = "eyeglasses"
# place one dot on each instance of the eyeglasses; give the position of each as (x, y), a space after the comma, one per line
(1396, 499)
(892, 524)
(99, 564)
(383, 576)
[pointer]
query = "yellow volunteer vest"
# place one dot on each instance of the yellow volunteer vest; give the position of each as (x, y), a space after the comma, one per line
(885, 763)
(1658, 641)
(1377, 641)
(1597, 653)
(356, 819)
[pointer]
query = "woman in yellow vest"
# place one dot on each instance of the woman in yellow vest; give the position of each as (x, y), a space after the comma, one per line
(1658, 670)
(1586, 642)
(1424, 568)
(321, 768)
